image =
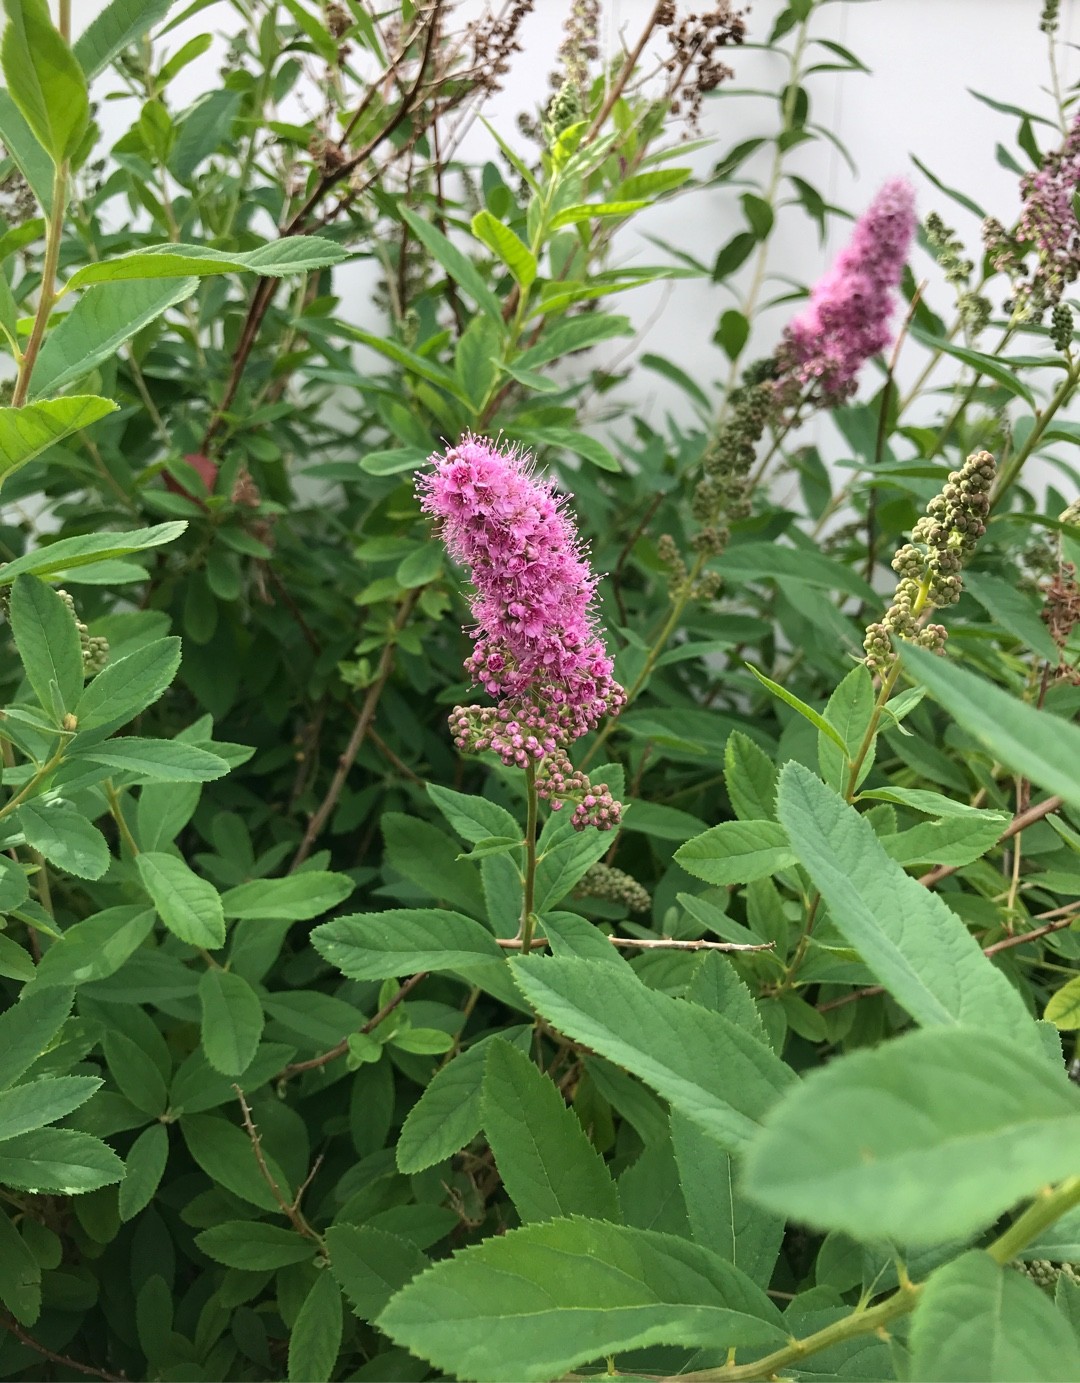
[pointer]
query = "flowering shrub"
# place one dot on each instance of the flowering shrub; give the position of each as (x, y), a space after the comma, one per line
(702, 1002)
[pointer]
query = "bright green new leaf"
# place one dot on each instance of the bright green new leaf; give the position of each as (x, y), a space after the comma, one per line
(928, 1138)
(28, 431)
(545, 1159)
(43, 78)
(460, 268)
(376, 946)
(189, 906)
(979, 1321)
(119, 24)
(736, 852)
(1041, 746)
(505, 245)
(253, 1246)
(48, 644)
(954, 840)
(715, 1072)
(316, 1333)
(538, 1301)
(750, 779)
(154, 761)
(65, 837)
(917, 947)
(107, 315)
(232, 1021)
(58, 1162)
(1063, 1009)
(807, 712)
(295, 898)
(848, 711)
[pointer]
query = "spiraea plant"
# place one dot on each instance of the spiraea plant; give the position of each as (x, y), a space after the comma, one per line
(494, 885)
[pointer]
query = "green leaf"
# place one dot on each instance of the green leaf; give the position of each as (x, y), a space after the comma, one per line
(926, 1139)
(28, 431)
(40, 1102)
(94, 949)
(106, 316)
(913, 943)
(205, 127)
(424, 1041)
(295, 898)
(560, 338)
(27, 1029)
(144, 1169)
(954, 840)
(66, 554)
(1063, 1009)
(127, 686)
(370, 1265)
(119, 24)
(298, 254)
(224, 1153)
(48, 643)
(545, 1159)
(1041, 746)
(998, 370)
(136, 1073)
(403, 941)
(447, 1116)
(473, 818)
(429, 859)
(232, 1021)
(29, 157)
(154, 761)
(43, 78)
(460, 268)
(58, 1162)
(506, 246)
(587, 211)
(702, 1063)
(538, 1301)
(736, 852)
(807, 712)
(20, 1274)
(316, 1333)
(978, 1320)
(801, 566)
(849, 711)
(721, 1218)
(189, 906)
(65, 837)
(1016, 611)
(563, 857)
(750, 778)
(578, 443)
(252, 1246)
(392, 461)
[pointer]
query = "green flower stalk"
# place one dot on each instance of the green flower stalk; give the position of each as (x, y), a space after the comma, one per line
(929, 566)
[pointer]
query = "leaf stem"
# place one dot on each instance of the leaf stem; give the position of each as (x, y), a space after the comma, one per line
(528, 917)
(47, 293)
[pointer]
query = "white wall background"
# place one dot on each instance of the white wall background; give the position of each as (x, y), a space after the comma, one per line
(924, 56)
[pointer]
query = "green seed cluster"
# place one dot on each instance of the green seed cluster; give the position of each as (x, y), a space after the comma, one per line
(948, 250)
(1061, 327)
(723, 493)
(1048, 20)
(1045, 1273)
(604, 881)
(929, 566)
(95, 648)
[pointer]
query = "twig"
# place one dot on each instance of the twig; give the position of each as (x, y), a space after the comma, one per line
(20, 1334)
(660, 944)
(620, 81)
(388, 754)
(363, 723)
(291, 1210)
(295, 1068)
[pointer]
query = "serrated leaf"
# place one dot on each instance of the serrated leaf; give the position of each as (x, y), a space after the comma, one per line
(224, 1153)
(545, 1159)
(252, 1246)
(128, 685)
(143, 1170)
(926, 1139)
(316, 1333)
(47, 641)
(28, 431)
(65, 837)
(117, 25)
(448, 1114)
(505, 245)
(154, 761)
(59, 1162)
(43, 78)
(295, 898)
(66, 554)
(403, 941)
(27, 1029)
(24, 1108)
(276, 259)
(735, 852)
(538, 1301)
(189, 906)
(913, 943)
(370, 1265)
(702, 1063)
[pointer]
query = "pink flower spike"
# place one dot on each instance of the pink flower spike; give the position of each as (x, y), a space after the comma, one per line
(847, 319)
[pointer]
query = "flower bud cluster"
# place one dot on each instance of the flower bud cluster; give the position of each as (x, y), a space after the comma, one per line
(723, 493)
(948, 249)
(95, 647)
(615, 885)
(1045, 1273)
(929, 566)
(1061, 327)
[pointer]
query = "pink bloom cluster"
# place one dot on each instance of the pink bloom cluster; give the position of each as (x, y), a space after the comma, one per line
(1048, 220)
(847, 320)
(536, 648)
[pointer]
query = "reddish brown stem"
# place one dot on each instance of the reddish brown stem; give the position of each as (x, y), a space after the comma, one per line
(296, 1068)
